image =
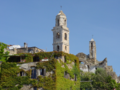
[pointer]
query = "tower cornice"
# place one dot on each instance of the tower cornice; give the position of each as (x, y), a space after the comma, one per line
(60, 28)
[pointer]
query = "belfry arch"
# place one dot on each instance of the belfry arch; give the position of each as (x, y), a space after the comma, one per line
(58, 48)
(65, 36)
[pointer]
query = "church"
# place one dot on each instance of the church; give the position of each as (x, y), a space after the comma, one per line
(61, 43)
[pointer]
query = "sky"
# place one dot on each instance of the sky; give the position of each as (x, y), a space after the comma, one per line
(31, 21)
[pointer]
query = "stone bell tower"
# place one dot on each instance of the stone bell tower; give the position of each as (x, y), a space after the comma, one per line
(92, 50)
(61, 33)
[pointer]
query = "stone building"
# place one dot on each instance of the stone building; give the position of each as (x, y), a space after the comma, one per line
(61, 33)
(89, 63)
(14, 49)
(55, 68)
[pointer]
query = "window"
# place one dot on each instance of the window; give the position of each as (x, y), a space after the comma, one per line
(75, 79)
(65, 36)
(65, 74)
(30, 51)
(75, 62)
(57, 48)
(33, 73)
(35, 59)
(58, 22)
(35, 88)
(58, 35)
(36, 50)
(88, 66)
(21, 73)
(65, 59)
(91, 46)
(56, 57)
(96, 68)
(92, 50)
(43, 72)
(65, 47)
(18, 59)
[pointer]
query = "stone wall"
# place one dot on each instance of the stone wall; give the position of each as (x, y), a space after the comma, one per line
(26, 87)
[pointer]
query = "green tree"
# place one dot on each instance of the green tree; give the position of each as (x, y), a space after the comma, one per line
(86, 79)
(103, 81)
(2, 53)
(100, 80)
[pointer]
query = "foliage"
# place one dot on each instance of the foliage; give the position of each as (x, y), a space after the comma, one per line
(49, 55)
(55, 81)
(2, 53)
(47, 83)
(100, 80)
(86, 78)
(49, 65)
(9, 78)
(66, 83)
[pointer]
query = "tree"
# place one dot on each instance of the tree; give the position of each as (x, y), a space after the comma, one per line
(86, 79)
(102, 80)
(2, 53)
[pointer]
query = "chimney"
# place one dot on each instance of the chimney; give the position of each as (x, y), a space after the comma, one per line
(25, 45)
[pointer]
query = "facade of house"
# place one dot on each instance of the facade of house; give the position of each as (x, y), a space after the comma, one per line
(46, 71)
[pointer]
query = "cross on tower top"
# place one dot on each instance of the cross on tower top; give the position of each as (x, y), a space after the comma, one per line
(61, 7)
(92, 36)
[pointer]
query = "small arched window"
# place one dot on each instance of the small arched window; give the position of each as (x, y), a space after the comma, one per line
(92, 45)
(58, 48)
(58, 35)
(58, 22)
(65, 36)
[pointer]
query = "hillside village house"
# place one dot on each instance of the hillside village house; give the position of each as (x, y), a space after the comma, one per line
(16, 49)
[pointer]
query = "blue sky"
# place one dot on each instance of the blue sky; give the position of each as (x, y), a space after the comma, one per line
(31, 21)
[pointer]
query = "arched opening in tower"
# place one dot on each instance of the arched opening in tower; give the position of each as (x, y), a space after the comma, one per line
(65, 36)
(57, 48)
(92, 49)
(58, 22)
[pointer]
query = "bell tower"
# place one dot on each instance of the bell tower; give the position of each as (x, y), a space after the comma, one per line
(61, 33)
(92, 50)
